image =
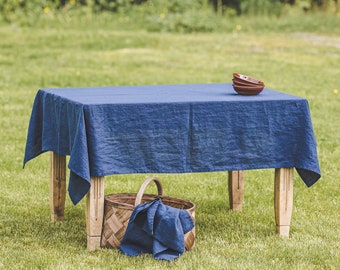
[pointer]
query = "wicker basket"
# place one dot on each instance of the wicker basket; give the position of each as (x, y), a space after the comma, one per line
(119, 207)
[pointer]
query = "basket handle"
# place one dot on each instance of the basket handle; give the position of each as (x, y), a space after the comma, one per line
(143, 187)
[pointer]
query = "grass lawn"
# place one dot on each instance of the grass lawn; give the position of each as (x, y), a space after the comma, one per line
(293, 58)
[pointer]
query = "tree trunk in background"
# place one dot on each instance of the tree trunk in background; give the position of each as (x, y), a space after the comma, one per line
(219, 7)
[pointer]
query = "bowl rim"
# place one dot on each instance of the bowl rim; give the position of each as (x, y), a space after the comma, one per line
(245, 83)
(247, 87)
(246, 78)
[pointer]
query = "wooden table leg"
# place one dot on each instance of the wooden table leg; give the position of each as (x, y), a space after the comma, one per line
(57, 186)
(94, 212)
(283, 200)
(236, 189)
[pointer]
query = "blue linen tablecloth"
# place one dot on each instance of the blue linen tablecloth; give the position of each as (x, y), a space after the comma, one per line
(171, 129)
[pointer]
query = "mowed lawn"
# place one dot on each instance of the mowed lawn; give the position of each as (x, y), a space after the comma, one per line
(66, 54)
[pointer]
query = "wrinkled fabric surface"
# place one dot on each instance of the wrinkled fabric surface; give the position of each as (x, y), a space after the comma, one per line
(157, 229)
(171, 129)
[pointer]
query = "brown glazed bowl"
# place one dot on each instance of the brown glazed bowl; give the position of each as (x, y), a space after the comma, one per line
(244, 83)
(248, 90)
(244, 79)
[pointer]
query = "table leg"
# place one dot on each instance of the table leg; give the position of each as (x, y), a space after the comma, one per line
(236, 189)
(283, 200)
(94, 212)
(57, 186)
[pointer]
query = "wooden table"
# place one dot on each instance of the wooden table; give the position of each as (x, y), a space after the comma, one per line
(283, 198)
(170, 129)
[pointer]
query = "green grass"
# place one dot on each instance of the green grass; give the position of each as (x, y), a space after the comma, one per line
(289, 55)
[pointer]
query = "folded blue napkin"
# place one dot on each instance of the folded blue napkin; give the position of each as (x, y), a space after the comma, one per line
(158, 229)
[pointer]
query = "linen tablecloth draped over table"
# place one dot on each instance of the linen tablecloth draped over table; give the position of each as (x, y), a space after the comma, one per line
(171, 129)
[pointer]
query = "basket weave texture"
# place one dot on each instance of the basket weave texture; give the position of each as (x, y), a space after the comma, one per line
(119, 207)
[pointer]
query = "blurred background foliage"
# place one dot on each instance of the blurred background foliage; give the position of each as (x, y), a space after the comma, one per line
(162, 15)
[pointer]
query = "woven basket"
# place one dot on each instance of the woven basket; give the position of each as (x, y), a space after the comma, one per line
(119, 207)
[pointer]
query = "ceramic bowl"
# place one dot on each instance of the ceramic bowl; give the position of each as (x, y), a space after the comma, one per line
(244, 79)
(244, 83)
(248, 90)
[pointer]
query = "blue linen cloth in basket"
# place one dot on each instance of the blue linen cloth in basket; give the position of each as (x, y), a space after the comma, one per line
(158, 229)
